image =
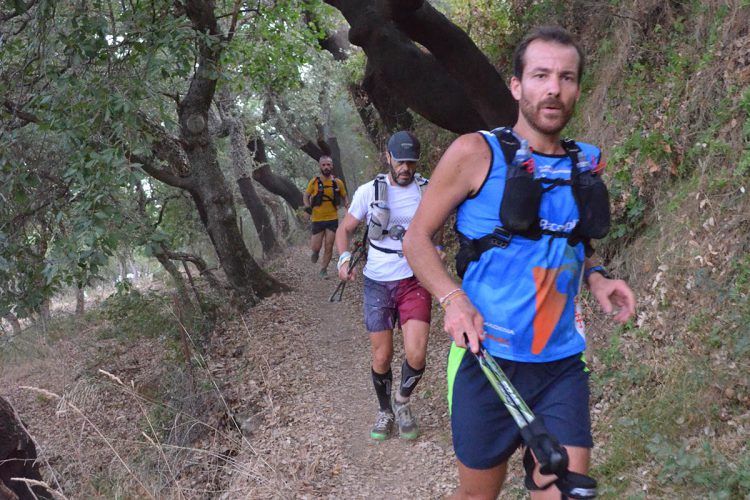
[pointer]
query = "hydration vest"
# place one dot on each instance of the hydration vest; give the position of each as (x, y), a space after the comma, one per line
(522, 195)
(320, 197)
(380, 215)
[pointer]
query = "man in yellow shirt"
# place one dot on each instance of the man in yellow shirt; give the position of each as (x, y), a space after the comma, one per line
(324, 194)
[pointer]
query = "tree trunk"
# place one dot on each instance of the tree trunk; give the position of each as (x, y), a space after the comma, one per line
(179, 281)
(327, 145)
(260, 216)
(15, 325)
(278, 185)
(245, 276)
(457, 88)
(391, 108)
(334, 152)
(195, 166)
(17, 457)
(274, 183)
(44, 311)
(393, 113)
(80, 301)
(312, 150)
(457, 53)
(241, 162)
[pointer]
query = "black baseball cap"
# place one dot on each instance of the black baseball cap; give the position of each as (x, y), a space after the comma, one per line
(404, 146)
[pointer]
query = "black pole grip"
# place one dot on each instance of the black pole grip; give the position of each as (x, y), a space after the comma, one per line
(575, 485)
(551, 455)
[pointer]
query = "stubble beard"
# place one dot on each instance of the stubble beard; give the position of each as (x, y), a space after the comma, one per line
(400, 181)
(531, 112)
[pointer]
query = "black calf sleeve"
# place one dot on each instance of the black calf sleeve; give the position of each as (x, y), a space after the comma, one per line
(409, 379)
(382, 383)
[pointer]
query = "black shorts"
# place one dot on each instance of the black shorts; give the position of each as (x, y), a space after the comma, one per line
(485, 434)
(320, 226)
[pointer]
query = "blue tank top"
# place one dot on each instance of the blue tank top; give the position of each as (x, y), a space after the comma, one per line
(527, 292)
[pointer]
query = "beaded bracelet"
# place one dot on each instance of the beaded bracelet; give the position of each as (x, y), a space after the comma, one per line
(445, 300)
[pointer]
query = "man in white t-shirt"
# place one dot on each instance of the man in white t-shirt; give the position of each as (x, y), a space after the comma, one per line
(391, 292)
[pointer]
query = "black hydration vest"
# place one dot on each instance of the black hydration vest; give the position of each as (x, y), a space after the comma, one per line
(522, 196)
(319, 197)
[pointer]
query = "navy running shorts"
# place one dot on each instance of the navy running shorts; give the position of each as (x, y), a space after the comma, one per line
(485, 434)
(320, 226)
(386, 302)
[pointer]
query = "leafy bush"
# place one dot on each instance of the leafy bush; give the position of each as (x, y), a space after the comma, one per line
(132, 314)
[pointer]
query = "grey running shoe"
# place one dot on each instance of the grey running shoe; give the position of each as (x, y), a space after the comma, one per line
(324, 274)
(383, 426)
(407, 424)
(314, 257)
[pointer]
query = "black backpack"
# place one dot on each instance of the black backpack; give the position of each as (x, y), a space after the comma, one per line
(319, 197)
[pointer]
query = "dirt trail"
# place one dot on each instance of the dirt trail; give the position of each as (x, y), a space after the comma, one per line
(315, 434)
(292, 420)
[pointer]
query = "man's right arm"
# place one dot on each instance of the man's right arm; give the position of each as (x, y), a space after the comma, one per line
(306, 199)
(346, 230)
(460, 172)
(344, 235)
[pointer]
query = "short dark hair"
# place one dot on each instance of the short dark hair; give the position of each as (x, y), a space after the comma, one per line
(546, 34)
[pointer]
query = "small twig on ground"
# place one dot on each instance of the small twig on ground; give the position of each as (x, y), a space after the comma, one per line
(86, 419)
(155, 441)
(34, 482)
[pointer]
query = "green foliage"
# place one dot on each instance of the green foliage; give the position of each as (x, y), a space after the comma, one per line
(700, 468)
(88, 76)
(132, 314)
(269, 52)
(668, 408)
(743, 166)
(487, 23)
(354, 67)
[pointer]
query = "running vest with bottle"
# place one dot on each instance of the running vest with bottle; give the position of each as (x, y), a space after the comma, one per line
(380, 214)
(320, 197)
(522, 195)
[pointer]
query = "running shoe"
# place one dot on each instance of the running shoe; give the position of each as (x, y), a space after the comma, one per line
(407, 424)
(314, 257)
(383, 426)
(324, 274)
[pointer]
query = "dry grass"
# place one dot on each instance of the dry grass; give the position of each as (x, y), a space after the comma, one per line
(104, 437)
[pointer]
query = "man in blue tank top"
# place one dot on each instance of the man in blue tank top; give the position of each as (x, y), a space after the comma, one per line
(519, 297)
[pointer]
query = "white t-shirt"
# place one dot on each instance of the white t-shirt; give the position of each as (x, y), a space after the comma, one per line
(403, 202)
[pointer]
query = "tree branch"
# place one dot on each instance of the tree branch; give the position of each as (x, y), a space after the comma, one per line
(149, 166)
(395, 60)
(17, 111)
(21, 9)
(463, 60)
(199, 263)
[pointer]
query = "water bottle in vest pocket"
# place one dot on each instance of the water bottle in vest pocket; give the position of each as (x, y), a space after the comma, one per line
(592, 199)
(519, 209)
(380, 215)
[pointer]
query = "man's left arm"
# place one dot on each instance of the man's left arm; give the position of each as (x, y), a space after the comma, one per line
(614, 296)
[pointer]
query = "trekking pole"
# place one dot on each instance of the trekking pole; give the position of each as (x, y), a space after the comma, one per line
(359, 251)
(552, 456)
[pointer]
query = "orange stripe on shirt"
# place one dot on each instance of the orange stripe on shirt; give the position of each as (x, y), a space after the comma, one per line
(549, 306)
